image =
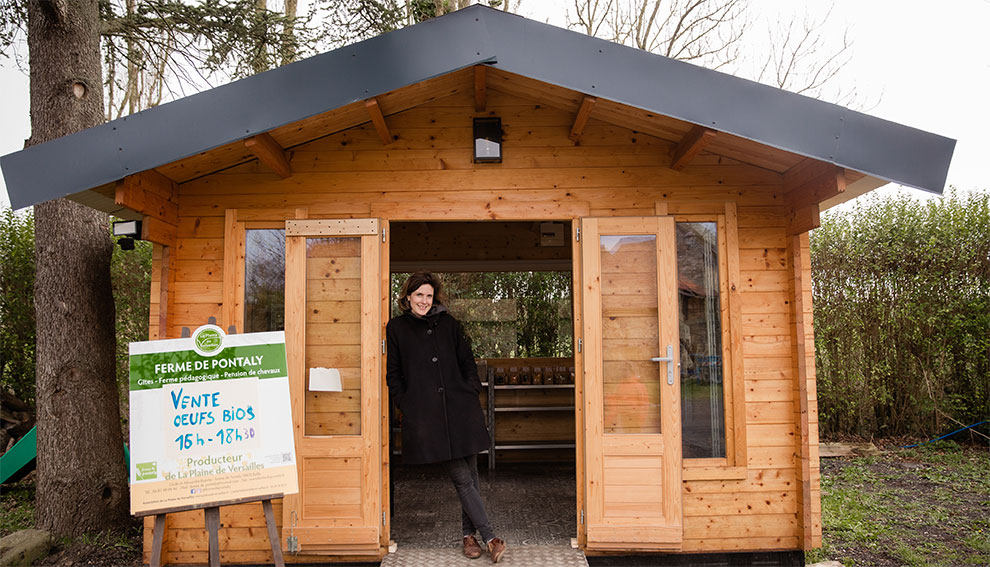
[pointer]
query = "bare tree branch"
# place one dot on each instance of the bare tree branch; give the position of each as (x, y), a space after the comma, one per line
(802, 60)
(704, 31)
(591, 15)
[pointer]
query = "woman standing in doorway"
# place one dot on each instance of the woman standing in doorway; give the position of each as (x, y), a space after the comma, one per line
(433, 380)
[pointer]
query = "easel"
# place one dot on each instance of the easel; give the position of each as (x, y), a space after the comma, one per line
(211, 510)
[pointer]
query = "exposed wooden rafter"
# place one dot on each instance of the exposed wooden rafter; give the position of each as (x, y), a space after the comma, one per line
(269, 152)
(691, 145)
(158, 231)
(378, 119)
(153, 195)
(802, 220)
(581, 120)
(812, 181)
(805, 186)
(480, 92)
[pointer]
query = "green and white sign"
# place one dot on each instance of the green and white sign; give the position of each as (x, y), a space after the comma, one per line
(210, 419)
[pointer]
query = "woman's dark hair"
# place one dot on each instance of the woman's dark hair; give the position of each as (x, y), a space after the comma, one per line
(414, 282)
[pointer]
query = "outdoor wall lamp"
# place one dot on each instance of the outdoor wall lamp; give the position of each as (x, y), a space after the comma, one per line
(128, 231)
(488, 140)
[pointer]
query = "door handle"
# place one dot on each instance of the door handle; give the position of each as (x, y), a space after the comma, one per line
(669, 359)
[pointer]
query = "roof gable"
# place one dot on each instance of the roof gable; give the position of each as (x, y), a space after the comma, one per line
(333, 80)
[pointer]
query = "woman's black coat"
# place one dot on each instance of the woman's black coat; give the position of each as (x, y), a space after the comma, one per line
(433, 379)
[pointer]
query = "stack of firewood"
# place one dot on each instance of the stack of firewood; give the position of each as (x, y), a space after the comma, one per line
(16, 420)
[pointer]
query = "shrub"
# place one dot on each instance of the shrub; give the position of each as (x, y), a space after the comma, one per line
(17, 304)
(902, 315)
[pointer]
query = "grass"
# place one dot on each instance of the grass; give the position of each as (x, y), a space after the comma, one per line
(118, 547)
(926, 506)
(18, 507)
(104, 540)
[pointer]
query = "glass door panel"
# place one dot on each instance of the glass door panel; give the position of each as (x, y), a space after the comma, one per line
(630, 333)
(333, 336)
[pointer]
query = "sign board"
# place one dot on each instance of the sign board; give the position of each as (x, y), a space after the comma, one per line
(210, 420)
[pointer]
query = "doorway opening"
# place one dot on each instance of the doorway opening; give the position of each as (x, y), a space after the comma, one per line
(510, 285)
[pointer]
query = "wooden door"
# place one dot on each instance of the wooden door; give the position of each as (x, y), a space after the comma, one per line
(632, 407)
(333, 328)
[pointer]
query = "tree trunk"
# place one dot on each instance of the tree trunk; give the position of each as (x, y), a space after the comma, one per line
(81, 478)
(260, 62)
(290, 31)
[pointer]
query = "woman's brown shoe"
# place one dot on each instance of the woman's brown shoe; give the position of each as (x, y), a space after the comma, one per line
(496, 547)
(471, 548)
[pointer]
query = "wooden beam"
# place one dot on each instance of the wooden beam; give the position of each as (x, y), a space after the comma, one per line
(270, 153)
(806, 185)
(581, 120)
(156, 183)
(804, 171)
(232, 311)
(166, 276)
(804, 219)
(149, 193)
(805, 408)
(480, 92)
(809, 184)
(691, 145)
(158, 231)
(734, 287)
(378, 119)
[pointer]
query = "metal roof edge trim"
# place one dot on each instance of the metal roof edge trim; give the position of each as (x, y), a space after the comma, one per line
(209, 119)
(546, 53)
(709, 98)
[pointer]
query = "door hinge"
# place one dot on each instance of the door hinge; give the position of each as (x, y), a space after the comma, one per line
(383, 346)
(292, 542)
(383, 234)
(383, 517)
(577, 234)
(580, 344)
(582, 516)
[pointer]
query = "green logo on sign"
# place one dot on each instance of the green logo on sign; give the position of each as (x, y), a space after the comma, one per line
(208, 340)
(147, 471)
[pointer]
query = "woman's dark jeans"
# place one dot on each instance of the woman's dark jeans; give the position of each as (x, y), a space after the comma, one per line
(464, 473)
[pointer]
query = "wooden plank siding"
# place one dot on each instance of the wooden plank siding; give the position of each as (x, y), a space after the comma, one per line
(426, 173)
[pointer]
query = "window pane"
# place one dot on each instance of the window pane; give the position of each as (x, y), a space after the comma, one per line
(702, 402)
(333, 334)
(508, 314)
(264, 280)
(630, 334)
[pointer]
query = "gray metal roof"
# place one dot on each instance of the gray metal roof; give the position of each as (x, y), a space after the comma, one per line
(795, 123)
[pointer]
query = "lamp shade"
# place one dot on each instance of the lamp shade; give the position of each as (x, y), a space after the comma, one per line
(488, 140)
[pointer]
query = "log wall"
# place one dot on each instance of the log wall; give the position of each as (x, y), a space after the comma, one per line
(426, 173)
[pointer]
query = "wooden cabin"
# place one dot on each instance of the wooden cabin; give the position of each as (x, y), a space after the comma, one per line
(684, 197)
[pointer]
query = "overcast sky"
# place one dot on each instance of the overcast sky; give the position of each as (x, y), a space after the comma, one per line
(928, 65)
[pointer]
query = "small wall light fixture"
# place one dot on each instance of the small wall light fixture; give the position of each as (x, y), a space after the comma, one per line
(128, 231)
(488, 140)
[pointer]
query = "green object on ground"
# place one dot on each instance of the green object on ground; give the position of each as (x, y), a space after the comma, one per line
(20, 459)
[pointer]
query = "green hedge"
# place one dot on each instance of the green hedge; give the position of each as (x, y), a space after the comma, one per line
(17, 304)
(902, 315)
(130, 273)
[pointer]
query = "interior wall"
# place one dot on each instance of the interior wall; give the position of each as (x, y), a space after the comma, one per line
(489, 246)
